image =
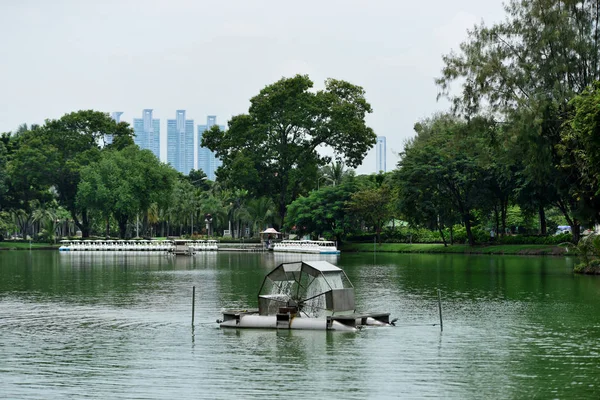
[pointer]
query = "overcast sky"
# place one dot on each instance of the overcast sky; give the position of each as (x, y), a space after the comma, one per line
(210, 57)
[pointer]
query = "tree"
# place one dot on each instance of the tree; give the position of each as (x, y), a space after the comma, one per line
(533, 63)
(261, 211)
(580, 149)
(3, 174)
(198, 179)
(69, 144)
(323, 212)
(27, 177)
(373, 206)
(274, 149)
(334, 173)
(183, 204)
(442, 168)
(124, 183)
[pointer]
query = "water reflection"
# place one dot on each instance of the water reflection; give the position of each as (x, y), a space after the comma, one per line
(118, 325)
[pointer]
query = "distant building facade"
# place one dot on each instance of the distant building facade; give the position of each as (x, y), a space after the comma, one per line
(147, 132)
(116, 116)
(180, 143)
(381, 152)
(207, 161)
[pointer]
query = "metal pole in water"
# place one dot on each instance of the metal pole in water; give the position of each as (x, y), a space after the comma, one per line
(440, 308)
(193, 302)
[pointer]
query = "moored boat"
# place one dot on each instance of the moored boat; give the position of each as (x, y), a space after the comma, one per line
(306, 246)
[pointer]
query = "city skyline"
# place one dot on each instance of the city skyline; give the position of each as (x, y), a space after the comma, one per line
(206, 160)
(110, 63)
(179, 147)
(180, 142)
(147, 132)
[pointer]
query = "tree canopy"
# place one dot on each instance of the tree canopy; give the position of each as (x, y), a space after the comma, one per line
(124, 183)
(276, 148)
(527, 69)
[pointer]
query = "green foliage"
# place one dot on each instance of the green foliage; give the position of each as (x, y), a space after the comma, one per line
(528, 68)
(53, 155)
(373, 207)
(273, 149)
(588, 250)
(123, 183)
(3, 174)
(323, 212)
(532, 239)
(440, 177)
(262, 213)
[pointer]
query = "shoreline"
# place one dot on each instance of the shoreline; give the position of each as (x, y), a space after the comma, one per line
(417, 248)
(512, 249)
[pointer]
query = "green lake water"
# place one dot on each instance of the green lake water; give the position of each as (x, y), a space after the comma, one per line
(112, 326)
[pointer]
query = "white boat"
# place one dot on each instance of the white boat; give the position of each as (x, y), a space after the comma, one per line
(306, 246)
(116, 245)
(312, 295)
(204, 245)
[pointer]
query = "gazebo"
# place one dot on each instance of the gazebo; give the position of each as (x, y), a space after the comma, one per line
(265, 236)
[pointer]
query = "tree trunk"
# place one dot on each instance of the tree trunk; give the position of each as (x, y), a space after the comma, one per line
(497, 217)
(85, 224)
(122, 221)
(442, 234)
(575, 231)
(503, 216)
(107, 227)
(467, 221)
(542, 215)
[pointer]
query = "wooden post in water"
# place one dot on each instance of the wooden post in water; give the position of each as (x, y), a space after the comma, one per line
(193, 302)
(440, 308)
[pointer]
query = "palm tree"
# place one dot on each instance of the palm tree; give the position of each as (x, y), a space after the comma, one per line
(335, 172)
(213, 206)
(261, 211)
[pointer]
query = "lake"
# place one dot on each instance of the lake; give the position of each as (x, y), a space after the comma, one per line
(119, 326)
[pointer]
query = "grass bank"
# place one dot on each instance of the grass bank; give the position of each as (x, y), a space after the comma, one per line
(10, 245)
(518, 249)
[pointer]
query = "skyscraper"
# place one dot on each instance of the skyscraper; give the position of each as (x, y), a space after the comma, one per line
(180, 143)
(116, 115)
(381, 164)
(207, 161)
(147, 132)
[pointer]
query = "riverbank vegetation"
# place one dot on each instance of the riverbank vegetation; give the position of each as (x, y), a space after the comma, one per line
(516, 156)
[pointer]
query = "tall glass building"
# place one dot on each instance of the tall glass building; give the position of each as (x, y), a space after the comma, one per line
(207, 161)
(381, 164)
(180, 143)
(116, 115)
(147, 132)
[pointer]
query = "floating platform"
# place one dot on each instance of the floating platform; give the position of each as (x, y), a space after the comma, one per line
(307, 295)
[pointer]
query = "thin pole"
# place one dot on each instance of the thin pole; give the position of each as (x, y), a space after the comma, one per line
(193, 302)
(440, 308)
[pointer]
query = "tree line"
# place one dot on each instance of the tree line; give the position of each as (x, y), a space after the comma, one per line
(521, 137)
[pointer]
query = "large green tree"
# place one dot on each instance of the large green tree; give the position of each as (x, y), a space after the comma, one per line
(123, 183)
(441, 173)
(527, 68)
(276, 148)
(69, 144)
(580, 149)
(27, 176)
(323, 212)
(373, 206)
